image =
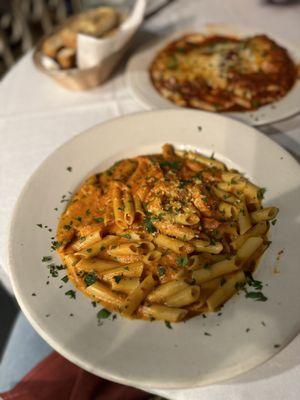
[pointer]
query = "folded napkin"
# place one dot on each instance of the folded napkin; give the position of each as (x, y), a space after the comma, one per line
(56, 378)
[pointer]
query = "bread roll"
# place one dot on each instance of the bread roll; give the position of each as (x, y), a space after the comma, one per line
(66, 58)
(52, 45)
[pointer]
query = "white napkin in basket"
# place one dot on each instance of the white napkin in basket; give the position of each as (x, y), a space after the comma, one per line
(91, 51)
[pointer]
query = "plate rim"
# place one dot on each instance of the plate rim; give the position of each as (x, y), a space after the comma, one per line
(70, 355)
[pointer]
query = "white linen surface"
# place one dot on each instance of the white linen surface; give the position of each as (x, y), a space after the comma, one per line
(37, 116)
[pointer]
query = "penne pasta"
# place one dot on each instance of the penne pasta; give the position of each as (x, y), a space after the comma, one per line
(223, 293)
(102, 293)
(244, 220)
(118, 206)
(152, 257)
(97, 247)
(259, 229)
(213, 271)
(210, 162)
(94, 264)
(178, 246)
(265, 214)
(130, 271)
(184, 297)
(135, 298)
(177, 231)
(247, 249)
(203, 246)
(86, 241)
(129, 213)
(163, 313)
(139, 211)
(164, 236)
(162, 292)
(124, 285)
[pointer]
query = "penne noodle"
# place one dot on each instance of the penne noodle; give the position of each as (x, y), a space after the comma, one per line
(163, 313)
(97, 247)
(205, 247)
(225, 196)
(186, 219)
(178, 246)
(163, 236)
(184, 297)
(177, 231)
(223, 293)
(139, 211)
(210, 162)
(102, 293)
(244, 220)
(228, 210)
(265, 214)
(247, 249)
(236, 187)
(250, 263)
(130, 271)
(134, 299)
(215, 270)
(129, 213)
(251, 193)
(71, 262)
(118, 207)
(94, 264)
(129, 248)
(229, 176)
(152, 257)
(86, 241)
(125, 285)
(259, 229)
(162, 292)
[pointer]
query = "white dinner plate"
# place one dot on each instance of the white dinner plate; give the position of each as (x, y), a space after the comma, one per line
(202, 350)
(139, 82)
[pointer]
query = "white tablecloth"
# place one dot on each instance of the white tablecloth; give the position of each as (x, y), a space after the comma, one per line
(37, 116)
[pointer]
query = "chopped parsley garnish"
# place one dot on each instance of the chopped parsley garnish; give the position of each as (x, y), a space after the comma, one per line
(65, 279)
(67, 227)
(276, 346)
(206, 266)
(168, 325)
(117, 278)
(33, 294)
(260, 193)
(171, 164)
(263, 323)
(55, 209)
(257, 296)
(247, 330)
(103, 314)
(90, 278)
(88, 212)
(274, 221)
(79, 219)
(39, 225)
(69, 169)
(126, 236)
(89, 250)
(99, 219)
(182, 261)
(55, 244)
(71, 293)
(207, 334)
(94, 304)
(46, 258)
(149, 225)
(173, 63)
(161, 271)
